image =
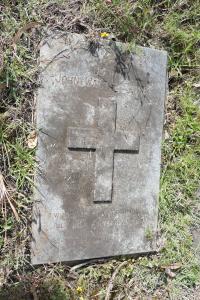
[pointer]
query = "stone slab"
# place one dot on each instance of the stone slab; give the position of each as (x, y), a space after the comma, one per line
(100, 118)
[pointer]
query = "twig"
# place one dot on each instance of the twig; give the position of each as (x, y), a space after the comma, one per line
(4, 195)
(111, 282)
(89, 262)
(25, 28)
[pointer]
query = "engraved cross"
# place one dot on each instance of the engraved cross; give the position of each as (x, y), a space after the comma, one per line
(106, 141)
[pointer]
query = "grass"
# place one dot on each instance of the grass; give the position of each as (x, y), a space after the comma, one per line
(170, 25)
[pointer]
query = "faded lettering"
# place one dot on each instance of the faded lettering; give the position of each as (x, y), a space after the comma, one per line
(76, 80)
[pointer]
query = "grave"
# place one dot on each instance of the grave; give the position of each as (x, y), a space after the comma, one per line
(99, 117)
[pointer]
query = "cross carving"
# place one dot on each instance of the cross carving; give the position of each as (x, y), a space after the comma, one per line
(105, 140)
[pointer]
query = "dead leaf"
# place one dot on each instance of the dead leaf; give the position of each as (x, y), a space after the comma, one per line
(168, 269)
(196, 85)
(166, 135)
(25, 28)
(2, 86)
(173, 73)
(3, 190)
(32, 140)
(170, 273)
(174, 266)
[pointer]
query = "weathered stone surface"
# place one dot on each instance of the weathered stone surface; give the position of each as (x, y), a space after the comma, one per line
(105, 140)
(100, 118)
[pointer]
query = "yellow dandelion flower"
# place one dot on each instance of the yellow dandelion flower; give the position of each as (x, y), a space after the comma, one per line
(104, 34)
(79, 289)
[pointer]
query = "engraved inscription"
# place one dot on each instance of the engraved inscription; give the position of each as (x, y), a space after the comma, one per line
(76, 80)
(104, 214)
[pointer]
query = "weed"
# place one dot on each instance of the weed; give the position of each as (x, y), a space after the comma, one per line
(149, 234)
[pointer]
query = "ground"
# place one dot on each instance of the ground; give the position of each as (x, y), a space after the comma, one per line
(172, 273)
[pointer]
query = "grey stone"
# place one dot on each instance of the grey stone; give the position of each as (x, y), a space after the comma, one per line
(100, 118)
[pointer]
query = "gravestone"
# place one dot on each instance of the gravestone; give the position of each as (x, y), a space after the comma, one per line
(100, 118)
